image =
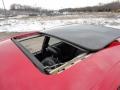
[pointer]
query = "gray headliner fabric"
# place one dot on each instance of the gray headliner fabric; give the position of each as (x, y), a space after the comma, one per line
(89, 37)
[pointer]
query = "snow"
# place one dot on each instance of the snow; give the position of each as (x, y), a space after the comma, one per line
(23, 25)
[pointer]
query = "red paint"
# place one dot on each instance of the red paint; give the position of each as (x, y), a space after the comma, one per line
(115, 43)
(20, 35)
(23, 35)
(98, 72)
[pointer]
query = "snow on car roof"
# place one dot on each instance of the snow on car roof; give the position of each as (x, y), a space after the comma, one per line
(89, 37)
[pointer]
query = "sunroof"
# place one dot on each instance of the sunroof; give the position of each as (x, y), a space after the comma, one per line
(89, 37)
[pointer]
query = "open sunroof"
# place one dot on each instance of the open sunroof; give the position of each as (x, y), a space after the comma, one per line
(89, 37)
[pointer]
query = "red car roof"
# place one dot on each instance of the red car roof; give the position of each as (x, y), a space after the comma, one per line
(98, 72)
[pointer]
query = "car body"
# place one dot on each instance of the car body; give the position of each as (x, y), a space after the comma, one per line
(71, 57)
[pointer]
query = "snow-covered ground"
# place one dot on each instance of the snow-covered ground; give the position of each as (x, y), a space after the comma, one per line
(23, 25)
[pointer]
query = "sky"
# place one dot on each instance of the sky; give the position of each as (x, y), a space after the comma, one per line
(54, 4)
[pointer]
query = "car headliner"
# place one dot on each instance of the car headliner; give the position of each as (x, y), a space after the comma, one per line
(90, 37)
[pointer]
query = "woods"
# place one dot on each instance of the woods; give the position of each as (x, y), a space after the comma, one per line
(18, 9)
(110, 7)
